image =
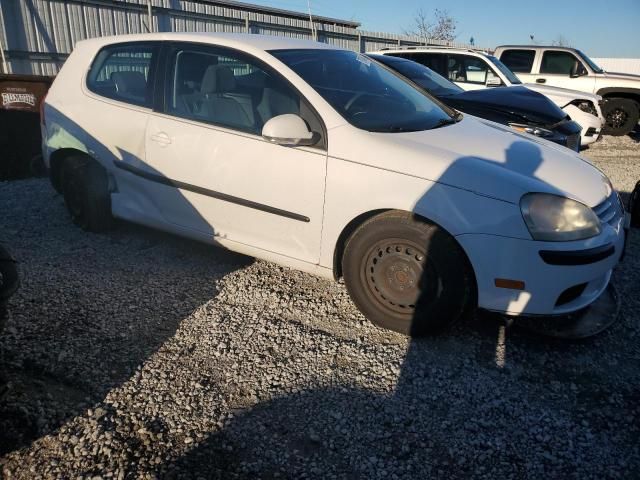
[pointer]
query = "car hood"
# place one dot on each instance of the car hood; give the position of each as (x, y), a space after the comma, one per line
(621, 76)
(562, 96)
(476, 155)
(519, 101)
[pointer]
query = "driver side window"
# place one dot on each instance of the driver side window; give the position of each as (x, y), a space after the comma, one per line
(559, 63)
(466, 69)
(227, 88)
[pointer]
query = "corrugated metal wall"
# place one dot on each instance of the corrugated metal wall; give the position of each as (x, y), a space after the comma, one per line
(37, 35)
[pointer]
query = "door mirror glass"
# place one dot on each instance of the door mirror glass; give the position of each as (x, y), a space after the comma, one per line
(289, 130)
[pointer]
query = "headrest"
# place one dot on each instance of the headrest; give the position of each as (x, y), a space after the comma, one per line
(218, 79)
(129, 82)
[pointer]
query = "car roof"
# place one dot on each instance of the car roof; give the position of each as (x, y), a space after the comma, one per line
(430, 49)
(243, 41)
(534, 47)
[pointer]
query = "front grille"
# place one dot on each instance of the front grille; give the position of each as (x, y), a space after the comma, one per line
(609, 211)
(573, 142)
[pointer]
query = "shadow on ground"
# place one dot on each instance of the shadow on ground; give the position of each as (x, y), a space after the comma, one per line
(91, 310)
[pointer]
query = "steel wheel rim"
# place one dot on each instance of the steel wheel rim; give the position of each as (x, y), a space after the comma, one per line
(617, 118)
(398, 276)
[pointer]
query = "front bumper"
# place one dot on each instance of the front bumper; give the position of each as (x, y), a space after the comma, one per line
(566, 282)
(591, 124)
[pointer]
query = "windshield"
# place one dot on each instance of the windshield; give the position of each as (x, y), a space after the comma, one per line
(365, 93)
(435, 84)
(591, 63)
(505, 70)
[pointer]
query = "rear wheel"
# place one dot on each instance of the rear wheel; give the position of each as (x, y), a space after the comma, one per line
(406, 275)
(85, 188)
(621, 116)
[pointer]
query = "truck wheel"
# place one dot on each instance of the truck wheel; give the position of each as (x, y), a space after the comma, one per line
(406, 275)
(86, 194)
(621, 116)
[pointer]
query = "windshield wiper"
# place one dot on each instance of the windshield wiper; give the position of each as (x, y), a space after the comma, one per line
(397, 129)
(446, 121)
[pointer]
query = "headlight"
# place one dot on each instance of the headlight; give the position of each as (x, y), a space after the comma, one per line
(585, 106)
(558, 219)
(537, 131)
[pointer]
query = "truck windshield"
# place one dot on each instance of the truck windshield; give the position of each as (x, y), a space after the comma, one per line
(366, 94)
(505, 70)
(591, 63)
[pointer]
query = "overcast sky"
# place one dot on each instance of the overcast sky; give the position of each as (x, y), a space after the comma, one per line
(599, 28)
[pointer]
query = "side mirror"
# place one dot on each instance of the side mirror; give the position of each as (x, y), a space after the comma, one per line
(577, 70)
(289, 130)
(493, 82)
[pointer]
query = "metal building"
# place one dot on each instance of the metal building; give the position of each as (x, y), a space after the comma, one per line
(38, 35)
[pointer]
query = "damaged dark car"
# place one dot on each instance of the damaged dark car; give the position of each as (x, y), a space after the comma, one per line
(518, 107)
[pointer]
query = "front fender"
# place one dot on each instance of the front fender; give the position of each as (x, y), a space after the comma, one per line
(354, 189)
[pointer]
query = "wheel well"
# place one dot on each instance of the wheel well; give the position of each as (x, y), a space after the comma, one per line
(360, 219)
(344, 236)
(56, 160)
(628, 95)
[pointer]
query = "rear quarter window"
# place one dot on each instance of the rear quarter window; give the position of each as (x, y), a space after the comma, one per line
(124, 73)
(519, 61)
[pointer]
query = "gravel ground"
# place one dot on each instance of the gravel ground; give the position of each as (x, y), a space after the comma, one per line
(141, 355)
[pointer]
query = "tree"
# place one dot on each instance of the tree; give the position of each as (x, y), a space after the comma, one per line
(561, 41)
(441, 27)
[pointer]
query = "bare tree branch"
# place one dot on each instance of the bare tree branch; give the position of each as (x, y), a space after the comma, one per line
(442, 27)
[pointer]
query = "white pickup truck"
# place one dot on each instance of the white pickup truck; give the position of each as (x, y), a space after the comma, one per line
(570, 68)
(473, 69)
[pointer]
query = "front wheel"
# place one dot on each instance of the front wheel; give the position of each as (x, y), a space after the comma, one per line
(406, 275)
(621, 116)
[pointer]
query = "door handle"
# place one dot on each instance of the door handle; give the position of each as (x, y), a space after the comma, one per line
(541, 80)
(161, 138)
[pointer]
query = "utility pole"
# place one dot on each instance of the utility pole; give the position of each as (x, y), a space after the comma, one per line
(150, 17)
(5, 68)
(314, 33)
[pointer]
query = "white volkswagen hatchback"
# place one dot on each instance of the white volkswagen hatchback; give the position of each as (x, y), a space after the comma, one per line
(323, 160)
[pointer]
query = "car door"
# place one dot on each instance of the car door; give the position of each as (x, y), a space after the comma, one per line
(556, 68)
(218, 176)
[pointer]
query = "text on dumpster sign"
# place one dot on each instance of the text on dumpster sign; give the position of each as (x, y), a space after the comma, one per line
(13, 98)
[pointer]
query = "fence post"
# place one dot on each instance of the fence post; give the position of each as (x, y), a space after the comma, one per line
(5, 68)
(149, 16)
(247, 26)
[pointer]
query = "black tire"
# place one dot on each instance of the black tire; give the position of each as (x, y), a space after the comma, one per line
(85, 188)
(407, 275)
(621, 116)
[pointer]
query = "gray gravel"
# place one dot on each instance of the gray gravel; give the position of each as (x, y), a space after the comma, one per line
(141, 355)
